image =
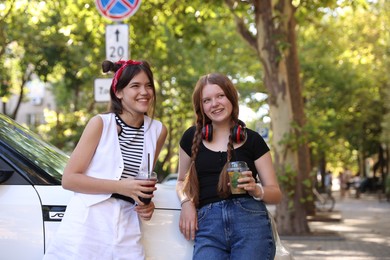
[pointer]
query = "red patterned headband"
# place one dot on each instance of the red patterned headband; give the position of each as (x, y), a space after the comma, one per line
(119, 72)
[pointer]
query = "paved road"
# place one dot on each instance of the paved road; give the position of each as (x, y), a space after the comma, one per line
(362, 233)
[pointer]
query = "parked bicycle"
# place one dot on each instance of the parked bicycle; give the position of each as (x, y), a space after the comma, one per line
(323, 201)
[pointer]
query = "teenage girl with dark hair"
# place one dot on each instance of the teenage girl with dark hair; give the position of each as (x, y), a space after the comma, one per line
(102, 220)
(223, 225)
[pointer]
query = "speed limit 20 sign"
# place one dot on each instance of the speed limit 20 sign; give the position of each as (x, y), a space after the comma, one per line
(117, 42)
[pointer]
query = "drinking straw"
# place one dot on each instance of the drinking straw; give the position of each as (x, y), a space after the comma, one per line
(148, 164)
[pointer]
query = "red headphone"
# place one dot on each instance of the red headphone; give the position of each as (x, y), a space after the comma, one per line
(238, 132)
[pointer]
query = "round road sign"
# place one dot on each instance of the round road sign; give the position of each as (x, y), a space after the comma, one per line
(117, 10)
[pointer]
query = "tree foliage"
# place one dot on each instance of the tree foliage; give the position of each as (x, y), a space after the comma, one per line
(345, 77)
(181, 41)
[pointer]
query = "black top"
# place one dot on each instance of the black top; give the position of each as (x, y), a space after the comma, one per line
(209, 163)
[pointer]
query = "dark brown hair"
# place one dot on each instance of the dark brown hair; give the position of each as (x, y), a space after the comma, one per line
(127, 75)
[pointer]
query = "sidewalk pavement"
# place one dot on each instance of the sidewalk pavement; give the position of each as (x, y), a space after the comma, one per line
(358, 229)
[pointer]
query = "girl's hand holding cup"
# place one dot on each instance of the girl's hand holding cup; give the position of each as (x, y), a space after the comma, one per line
(149, 181)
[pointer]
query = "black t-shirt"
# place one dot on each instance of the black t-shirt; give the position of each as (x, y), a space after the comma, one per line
(209, 163)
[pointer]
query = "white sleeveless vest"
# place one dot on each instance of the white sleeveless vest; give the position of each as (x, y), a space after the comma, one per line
(107, 162)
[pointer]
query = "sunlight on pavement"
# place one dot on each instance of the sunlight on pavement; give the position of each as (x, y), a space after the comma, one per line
(362, 233)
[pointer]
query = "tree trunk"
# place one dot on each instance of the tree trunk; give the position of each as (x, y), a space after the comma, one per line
(275, 44)
(286, 108)
(21, 93)
(4, 108)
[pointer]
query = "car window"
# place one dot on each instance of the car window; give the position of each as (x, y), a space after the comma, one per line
(9, 176)
(30, 146)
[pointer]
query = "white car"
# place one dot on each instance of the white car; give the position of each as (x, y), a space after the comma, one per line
(33, 202)
(170, 179)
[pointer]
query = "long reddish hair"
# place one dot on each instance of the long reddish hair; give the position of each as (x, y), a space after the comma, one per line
(191, 183)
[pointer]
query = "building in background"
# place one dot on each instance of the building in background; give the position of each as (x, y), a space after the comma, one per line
(38, 97)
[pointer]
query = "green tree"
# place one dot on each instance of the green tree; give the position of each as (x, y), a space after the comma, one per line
(180, 52)
(345, 88)
(188, 42)
(270, 28)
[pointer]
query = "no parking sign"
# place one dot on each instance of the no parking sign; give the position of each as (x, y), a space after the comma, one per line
(117, 10)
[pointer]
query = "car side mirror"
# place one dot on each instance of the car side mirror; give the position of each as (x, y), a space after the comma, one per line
(5, 175)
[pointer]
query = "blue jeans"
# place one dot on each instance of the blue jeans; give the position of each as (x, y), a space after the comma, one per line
(234, 229)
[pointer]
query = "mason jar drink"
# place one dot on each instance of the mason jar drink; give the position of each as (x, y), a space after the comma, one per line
(234, 171)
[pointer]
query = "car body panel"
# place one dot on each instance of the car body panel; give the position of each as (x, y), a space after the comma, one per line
(161, 232)
(21, 223)
(53, 205)
(161, 235)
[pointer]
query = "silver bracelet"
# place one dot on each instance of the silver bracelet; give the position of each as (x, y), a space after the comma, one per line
(262, 192)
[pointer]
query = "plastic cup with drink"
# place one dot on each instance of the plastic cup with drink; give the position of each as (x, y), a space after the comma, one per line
(150, 177)
(235, 170)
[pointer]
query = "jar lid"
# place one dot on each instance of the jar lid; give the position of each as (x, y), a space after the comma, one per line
(238, 165)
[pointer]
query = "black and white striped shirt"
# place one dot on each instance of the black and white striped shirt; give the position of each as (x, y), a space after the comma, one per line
(131, 141)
